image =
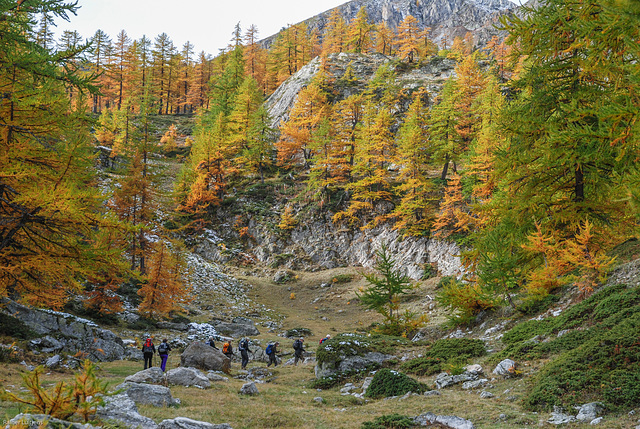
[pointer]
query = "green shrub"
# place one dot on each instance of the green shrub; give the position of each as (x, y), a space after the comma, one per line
(388, 382)
(524, 331)
(456, 348)
(594, 364)
(465, 300)
(344, 345)
(534, 305)
(423, 366)
(394, 421)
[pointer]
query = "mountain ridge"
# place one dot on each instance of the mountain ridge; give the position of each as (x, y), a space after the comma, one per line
(446, 18)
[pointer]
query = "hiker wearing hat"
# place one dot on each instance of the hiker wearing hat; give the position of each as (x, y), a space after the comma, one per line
(325, 338)
(298, 350)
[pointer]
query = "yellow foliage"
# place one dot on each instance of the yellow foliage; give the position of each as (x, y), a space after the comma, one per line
(287, 220)
(292, 296)
(580, 259)
(83, 397)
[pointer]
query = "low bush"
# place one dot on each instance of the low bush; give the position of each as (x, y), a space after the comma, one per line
(388, 382)
(423, 366)
(445, 355)
(465, 300)
(343, 345)
(394, 421)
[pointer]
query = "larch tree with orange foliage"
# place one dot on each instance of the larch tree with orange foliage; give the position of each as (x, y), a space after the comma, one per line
(166, 289)
(310, 109)
(452, 218)
(375, 151)
(335, 34)
(418, 196)
(359, 33)
(384, 38)
(469, 85)
(408, 40)
(50, 205)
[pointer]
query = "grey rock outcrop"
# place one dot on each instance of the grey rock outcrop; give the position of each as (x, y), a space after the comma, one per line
(445, 380)
(64, 332)
(589, 412)
(149, 394)
(37, 421)
(204, 357)
(452, 422)
(350, 363)
(237, 328)
(249, 389)
(123, 410)
(506, 368)
(470, 385)
(187, 377)
(559, 417)
(185, 423)
(53, 361)
(153, 375)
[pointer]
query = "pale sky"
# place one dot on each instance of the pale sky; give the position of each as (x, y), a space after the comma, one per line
(207, 24)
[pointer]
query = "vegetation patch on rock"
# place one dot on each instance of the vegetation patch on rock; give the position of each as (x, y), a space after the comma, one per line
(596, 350)
(452, 351)
(388, 383)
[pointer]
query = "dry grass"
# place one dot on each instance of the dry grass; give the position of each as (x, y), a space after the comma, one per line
(287, 401)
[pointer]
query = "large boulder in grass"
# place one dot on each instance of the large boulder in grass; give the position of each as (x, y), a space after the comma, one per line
(149, 394)
(187, 377)
(153, 375)
(123, 410)
(203, 356)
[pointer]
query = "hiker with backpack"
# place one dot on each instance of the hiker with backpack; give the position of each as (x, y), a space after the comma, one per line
(243, 346)
(227, 349)
(212, 343)
(148, 349)
(163, 351)
(271, 351)
(298, 350)
(325, 338)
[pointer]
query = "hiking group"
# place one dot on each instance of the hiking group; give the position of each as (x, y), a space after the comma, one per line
(148, 350)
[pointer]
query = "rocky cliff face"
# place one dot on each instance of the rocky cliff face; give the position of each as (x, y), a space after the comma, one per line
(446, 18)
(430, 76)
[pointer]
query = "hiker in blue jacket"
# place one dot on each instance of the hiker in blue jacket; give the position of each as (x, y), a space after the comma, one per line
(271, 351)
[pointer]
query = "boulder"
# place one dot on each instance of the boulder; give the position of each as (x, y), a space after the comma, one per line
(559, 417)
(445, 380)
(187, 377)
(452, 422)
(249, 389)
(149, 394)
(185, 423)
(351, 363)
(589, 412)
(153, 375)
(53, 361)
(470, 385)
(37, 421)
(204, 357)
(123, 410)
(237, 330)
(506, 368)
(212, 376)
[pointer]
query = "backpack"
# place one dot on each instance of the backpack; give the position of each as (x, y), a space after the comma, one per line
(148, 346)
(244, 345)
(226, 348)
(297, 345)
(163, 348)
(269, 349)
